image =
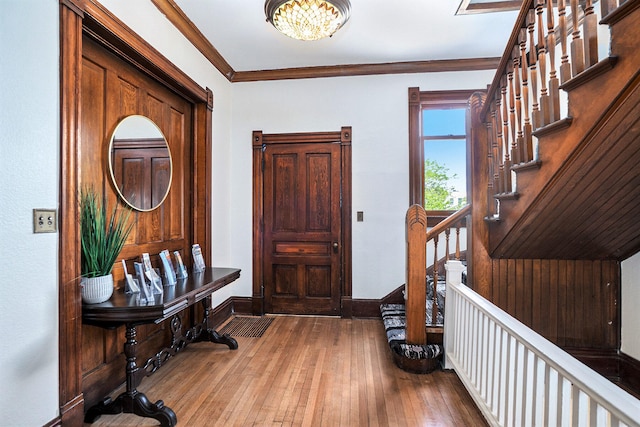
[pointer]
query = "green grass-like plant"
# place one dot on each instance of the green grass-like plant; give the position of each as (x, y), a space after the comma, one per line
(102, 236)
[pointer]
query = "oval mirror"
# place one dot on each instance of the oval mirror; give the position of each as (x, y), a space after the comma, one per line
(140, 163)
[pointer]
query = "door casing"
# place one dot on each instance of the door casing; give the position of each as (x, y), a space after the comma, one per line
(260, 141)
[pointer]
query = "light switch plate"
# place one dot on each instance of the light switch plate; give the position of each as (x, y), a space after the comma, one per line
(45, 221)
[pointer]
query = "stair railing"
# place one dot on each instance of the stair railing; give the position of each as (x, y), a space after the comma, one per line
(418, 237)
(519, 378)
(551, 43)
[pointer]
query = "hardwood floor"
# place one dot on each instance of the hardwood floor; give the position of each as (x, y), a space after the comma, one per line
(304, 371)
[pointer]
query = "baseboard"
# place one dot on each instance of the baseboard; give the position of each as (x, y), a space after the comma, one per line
(618, 367)
(630, 374)
(229, 307)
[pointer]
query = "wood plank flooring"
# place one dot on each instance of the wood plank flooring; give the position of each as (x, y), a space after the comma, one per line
(304, 371)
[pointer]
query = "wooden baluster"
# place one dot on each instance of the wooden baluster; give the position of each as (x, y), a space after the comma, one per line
(533, 68)
(565, 66)
(517, 83)
(495, 157)
(577, 45)
(499, 144)
(511, 73)
(458, 242)
(554, 83)
(527, 148)
(447, 233)
(590, 29)
(607, 6)
(505, 139)
(490, 162)
(542, 65)
(434, 311)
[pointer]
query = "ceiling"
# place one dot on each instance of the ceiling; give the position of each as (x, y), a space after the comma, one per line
(237, 38)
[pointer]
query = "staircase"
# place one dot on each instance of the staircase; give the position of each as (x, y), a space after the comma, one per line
(560, 136)
(555, 160)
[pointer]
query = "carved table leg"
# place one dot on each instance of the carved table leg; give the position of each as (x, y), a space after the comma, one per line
(211, 334)
(132, 401)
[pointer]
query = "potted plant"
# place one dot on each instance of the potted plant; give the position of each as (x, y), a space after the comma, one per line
(102, 237)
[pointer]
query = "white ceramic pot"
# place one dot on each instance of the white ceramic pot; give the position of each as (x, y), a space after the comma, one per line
(96, 289)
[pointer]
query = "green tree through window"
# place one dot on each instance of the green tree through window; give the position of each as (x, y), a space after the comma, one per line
(439, 188)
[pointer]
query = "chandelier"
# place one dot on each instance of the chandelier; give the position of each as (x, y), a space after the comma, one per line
(307, 19)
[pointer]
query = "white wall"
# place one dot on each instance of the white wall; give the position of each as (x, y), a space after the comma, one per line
(630, 301)
(377, 109)
(29, 178)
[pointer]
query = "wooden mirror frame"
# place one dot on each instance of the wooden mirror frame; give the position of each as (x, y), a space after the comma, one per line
(78, 17)
(148, 148)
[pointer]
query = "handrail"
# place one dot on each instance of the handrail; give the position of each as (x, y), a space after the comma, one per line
(516, 376)
(449, 221)
(506, 55)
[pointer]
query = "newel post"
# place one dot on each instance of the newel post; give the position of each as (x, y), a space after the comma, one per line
(454, 269)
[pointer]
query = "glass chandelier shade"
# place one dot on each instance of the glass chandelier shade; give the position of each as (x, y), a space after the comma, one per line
(307, 19)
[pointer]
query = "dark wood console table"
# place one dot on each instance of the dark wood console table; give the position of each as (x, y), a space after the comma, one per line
(125, 309)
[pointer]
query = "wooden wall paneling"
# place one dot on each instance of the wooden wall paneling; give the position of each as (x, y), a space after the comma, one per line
(561, 287)
(78, 18)
(520, 290)
(123, 92)
(511, 289)
(573, 303)
(535, 295)
(552, 289)
(545, 297)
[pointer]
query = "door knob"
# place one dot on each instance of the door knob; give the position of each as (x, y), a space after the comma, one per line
(335, 246)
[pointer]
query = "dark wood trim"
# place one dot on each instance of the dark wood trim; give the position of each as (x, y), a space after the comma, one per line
(365, 308)
(417, 102)
(590, 73)
(259, 141)
(345, 144)
(416, 150)
(79, 17)
(615, 365)
(620, 13)
(201, 160)
(180, 20)
(242, 305)
(112, 33)
(432, 66)
(258, 223)
(70, 395)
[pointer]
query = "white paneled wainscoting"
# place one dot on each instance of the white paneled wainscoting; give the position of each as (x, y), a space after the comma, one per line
(519, 378)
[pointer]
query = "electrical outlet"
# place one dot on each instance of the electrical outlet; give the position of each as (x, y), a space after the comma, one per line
(45, 221)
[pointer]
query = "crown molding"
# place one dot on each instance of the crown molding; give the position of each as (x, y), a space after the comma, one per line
(433, 66)
(180, 20)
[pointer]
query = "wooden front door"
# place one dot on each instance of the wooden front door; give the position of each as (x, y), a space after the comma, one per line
(302, 231)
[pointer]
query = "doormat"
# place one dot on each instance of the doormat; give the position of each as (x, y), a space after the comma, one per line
(252, 327)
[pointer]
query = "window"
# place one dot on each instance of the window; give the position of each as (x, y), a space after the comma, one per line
(444, 140)
(437, 148)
